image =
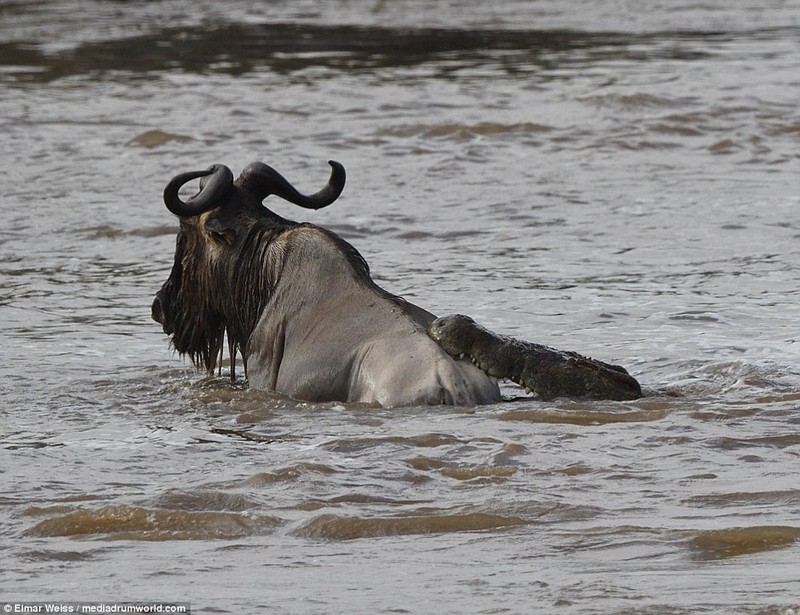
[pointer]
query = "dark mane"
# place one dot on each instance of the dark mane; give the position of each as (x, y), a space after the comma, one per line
(253, 282)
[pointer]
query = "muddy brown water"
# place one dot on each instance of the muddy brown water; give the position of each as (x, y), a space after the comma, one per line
(623, 181)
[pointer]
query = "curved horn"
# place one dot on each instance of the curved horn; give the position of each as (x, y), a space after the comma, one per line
(211, 190)
(263, 180)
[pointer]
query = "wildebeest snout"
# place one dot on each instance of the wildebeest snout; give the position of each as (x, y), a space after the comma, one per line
(157, 309)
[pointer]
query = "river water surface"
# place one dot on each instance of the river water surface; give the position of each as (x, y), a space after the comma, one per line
(616, 178)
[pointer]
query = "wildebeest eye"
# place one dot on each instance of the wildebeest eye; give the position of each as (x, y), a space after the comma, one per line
(219, 231)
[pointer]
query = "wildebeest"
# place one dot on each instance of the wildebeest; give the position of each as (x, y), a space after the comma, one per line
(298, 303)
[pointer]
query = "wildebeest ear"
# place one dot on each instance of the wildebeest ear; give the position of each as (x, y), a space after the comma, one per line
(219, 231)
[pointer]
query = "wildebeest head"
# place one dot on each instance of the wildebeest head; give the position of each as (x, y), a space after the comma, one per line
(222, 229)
